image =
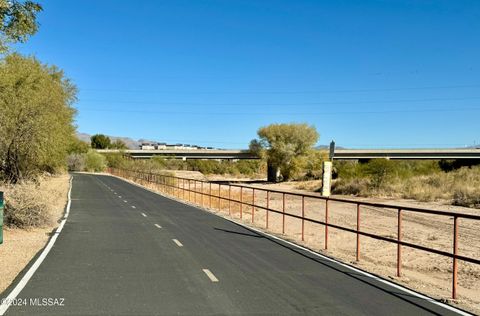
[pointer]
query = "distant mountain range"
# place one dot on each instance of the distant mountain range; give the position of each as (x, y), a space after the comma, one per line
(131, 143)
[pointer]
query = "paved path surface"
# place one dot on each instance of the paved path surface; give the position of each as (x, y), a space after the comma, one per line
(127, 251)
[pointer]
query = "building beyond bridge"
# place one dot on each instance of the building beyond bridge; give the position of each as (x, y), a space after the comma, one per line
(165, 146)
(185, 153)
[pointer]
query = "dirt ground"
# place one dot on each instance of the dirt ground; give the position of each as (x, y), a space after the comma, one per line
(19, 245)
(421, 271)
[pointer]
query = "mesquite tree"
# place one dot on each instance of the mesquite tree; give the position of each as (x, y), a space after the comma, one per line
(18, 21)
(285, 147)
(36, 118)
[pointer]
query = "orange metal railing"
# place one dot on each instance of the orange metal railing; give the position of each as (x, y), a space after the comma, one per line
(180, 187)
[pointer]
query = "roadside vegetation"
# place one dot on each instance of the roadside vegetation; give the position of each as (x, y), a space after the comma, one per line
(420, 180)
(37, 122)
(286, 148)
(240, 168)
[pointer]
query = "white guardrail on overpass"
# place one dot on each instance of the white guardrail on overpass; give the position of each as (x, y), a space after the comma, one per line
(340, 154)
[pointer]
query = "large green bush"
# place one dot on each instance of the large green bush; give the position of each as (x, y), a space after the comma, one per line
(36, 116)
(95, 162)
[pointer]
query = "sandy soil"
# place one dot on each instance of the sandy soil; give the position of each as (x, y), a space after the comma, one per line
(422, 271)
(20, 246)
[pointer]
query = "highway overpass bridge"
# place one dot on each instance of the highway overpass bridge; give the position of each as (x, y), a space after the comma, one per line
(185, 153)
(340, 154)
(405, 154)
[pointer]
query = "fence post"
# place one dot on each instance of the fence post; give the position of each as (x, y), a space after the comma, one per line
(177, 187)
(194, 191)
(399, 247)
(210, 195)
(303, 217)
(268, 206)
(229, 200)
(455, 251)
(183, 189)
(219, 197)
(241, 202)
(253, 206)
(326, 224)
(358, 230)
(283, 215)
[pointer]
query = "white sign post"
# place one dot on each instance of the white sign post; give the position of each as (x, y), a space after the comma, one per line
(327, 178)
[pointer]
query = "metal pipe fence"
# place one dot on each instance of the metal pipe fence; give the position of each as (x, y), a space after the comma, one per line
(179, 187)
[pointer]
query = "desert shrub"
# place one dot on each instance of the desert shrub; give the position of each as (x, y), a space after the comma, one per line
(419, 180)
(167, 163)
(76, 162)
(356, 186)
(380, 171)
(244, 167)
(426, 167)
(250, 167)
(26, 206)
(206, 166)
(115, 160)
(94, 161)
(346, 170)
(427, 187)
(466, 196)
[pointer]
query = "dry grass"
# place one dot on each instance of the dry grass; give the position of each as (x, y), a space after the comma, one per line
(31, 204)
(21, 245)
(459, 187)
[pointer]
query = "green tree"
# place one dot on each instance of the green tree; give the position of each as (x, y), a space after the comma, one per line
(284, 146)
(78, 146)
(18, 21)
(36, 118)
(100, 141)
(118, 144)
(381, 171)
(115, 160)
(95, 162)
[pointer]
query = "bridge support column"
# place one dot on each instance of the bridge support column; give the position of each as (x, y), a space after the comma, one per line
(273, 173)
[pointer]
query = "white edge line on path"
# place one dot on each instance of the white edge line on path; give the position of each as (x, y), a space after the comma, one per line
(23, 282)
(372, 276)
(210, 275)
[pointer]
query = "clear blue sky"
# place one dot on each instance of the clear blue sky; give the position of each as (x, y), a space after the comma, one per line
(365, 73)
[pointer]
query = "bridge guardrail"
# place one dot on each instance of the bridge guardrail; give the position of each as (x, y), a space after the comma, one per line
(179, 187)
